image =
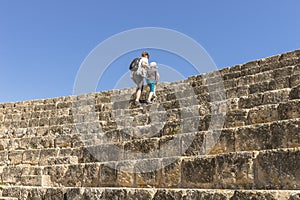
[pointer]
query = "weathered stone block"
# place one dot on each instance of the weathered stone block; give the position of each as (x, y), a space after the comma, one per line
(295, 80)
(257, 137)
(232, 75)
(147, 173)
(237, 92)
(35, 180)
(45, 154)
(277, 169)
(277, 96)
(259, 87)
(171, 173)
(220, 141)
(263, 114)
(295, 93)
(198, 172)
(170, 146)
(62, 160)
(250, 71)
(193, 144)
(234, 170)
(125, 173)
(11, 174)
(236, 118)
(108, 175)
(251, 101)
(31, 157)
(168, 195)
(144, 148)
(289, 110)
(285, 134)
(90, 174)
(15, 157)
(279, 83)
(3, 158)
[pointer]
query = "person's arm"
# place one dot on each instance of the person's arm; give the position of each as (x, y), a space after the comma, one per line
(157, 76)
(144, 64)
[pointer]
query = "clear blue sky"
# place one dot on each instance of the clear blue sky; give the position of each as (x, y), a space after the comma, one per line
(44, 42)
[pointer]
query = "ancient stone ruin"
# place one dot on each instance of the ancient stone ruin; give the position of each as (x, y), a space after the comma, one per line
(228, 134)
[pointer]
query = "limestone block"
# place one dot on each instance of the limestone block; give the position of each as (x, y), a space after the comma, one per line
(3, 158)
(220, 141)
(139, 149)
(45, 154)
(170, 146)
(62, 160)
(277, 96)
(263, 194)
(90, 175)
(193, 143)
(263, 114)
(231, 75)
(228, 84)
(295, 92)
(125, 173)
(73, 193)
(289, 61)
(63, 141)
(244, 80)
(289, 110)
(198, 172)
(31, 157)
(234, 170)
(147, 173)
(256, 137)
(278, 169)
(237, 92)
(279, 83)
(35, 180)
(15, 157)
(43, 122)
(171, 173)
(235, 118)
(259, 87)
(108, 175)
(250, 71)
(4, 144)
(52, 194)
(251, 101)
(11, 174)
(285, 134)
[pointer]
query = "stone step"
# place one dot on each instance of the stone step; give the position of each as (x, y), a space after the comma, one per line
(8, 198)
(266, 169)
(62, 160)
(23, 193)
(243, 170)
(247, 100)
(258, 66)
(272, 135)
(35, 180)
(46, 120)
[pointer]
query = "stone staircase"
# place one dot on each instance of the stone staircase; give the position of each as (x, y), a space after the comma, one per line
(227, 134)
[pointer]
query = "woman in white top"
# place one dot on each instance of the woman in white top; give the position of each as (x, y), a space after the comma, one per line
(139, 75)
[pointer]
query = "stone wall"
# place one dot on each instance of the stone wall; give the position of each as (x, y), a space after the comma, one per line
(235, 129)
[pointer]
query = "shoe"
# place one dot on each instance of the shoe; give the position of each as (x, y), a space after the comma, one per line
(137, 103)
(149, 102)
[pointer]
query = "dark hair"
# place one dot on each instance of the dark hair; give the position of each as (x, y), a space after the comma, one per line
(144, 54)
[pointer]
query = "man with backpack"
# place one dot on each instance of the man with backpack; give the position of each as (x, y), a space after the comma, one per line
(138, 69)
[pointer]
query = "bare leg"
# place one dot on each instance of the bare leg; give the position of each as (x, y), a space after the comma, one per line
(150, 96)
(138, 95)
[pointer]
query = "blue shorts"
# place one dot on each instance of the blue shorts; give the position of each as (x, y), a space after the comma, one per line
(151, 85)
